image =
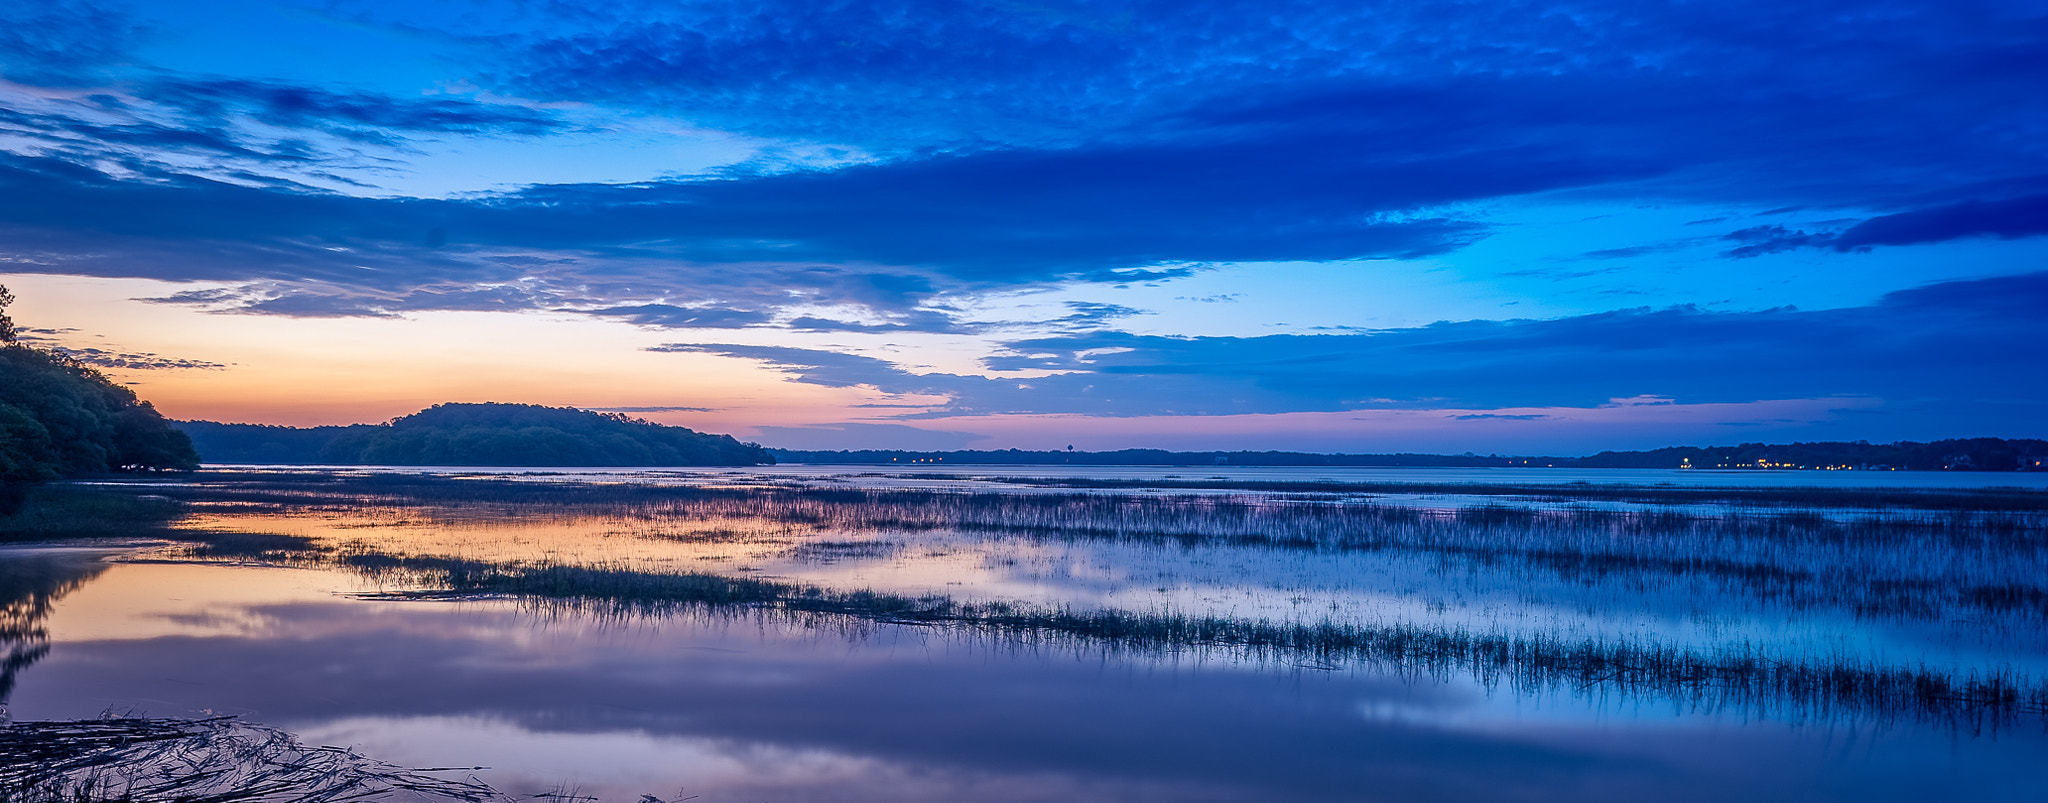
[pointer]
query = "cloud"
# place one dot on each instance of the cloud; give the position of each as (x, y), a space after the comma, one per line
(651, 409)
(668, 316)
(2007, 218)
(353, 115)
(1821, 103)
(1956, 346)
(242, 130)
(55, 340)
(145, 361)
(997, 148)
(865, 436)
(63, 42)
(931, 72)
(2004, 218)
(887, 238)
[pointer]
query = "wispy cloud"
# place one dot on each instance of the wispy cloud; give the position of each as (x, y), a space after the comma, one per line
(1933, 346)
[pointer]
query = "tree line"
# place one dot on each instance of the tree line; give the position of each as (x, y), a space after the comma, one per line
(488, 434)
(61, 417)
(1971, 454)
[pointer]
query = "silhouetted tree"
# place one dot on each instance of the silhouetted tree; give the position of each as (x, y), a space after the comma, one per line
(59, 416)
(7, 333)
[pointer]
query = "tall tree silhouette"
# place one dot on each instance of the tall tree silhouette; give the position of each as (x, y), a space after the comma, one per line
(7, 333)
(60, 416)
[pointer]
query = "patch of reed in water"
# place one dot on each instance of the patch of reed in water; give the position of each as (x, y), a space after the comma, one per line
(1737, 677)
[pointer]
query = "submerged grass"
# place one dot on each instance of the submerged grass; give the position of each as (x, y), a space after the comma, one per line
(1922, 563)
(64, 511)
(1733, 677)
(1918, 554)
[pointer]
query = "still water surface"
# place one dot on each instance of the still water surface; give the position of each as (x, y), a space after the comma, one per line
(755, 704)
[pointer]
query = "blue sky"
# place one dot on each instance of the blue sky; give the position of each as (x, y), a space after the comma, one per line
(1418, 226)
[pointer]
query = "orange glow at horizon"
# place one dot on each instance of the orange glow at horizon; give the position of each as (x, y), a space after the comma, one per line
(318, 371)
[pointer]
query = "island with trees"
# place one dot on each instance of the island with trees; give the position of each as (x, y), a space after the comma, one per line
(486, 434)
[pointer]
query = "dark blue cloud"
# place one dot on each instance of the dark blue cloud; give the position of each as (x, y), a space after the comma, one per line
(886, 237)
(63, 42)
(354, 115)
(2003, 218)
(1834, 103)
(1021, 147)
(248, 132)
(1957, 348)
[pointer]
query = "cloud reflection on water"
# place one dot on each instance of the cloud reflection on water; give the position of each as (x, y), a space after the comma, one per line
(742, 707)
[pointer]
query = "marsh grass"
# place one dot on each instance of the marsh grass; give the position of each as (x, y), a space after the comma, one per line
(1926, 557)
(65, 511)
(1739, 677)
(1922, 563)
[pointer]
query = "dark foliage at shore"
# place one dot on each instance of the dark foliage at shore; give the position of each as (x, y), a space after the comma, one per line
(60, 417)
(264, 444)
(477, 435)
(1975, 454)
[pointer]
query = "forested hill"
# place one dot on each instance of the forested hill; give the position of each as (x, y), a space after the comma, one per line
(476, 435)
(1975, 454)
(60, 417)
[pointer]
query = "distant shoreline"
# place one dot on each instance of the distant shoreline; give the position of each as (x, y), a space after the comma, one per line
(1975, 454)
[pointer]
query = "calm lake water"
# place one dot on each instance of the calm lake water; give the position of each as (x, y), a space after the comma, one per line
(376, 633)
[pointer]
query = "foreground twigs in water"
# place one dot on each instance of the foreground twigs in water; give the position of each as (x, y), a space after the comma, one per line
(201, 761)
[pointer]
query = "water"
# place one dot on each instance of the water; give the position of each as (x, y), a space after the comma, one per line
(750, 703)
(929, 474)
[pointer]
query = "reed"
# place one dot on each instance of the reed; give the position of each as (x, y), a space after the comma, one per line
(1736, 677)
(1919, 563)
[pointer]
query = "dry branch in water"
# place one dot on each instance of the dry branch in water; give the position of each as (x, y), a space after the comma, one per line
(202, 761)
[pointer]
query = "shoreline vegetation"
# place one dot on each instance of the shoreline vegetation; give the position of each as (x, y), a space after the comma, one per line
(528, 435)
(60, 417)
(1963, 454)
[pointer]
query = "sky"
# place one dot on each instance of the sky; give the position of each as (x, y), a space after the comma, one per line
(1501, 227)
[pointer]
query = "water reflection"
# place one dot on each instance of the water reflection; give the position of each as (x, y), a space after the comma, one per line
(749, 637)
(1961, 587)
(752, 707)
(32, 579)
